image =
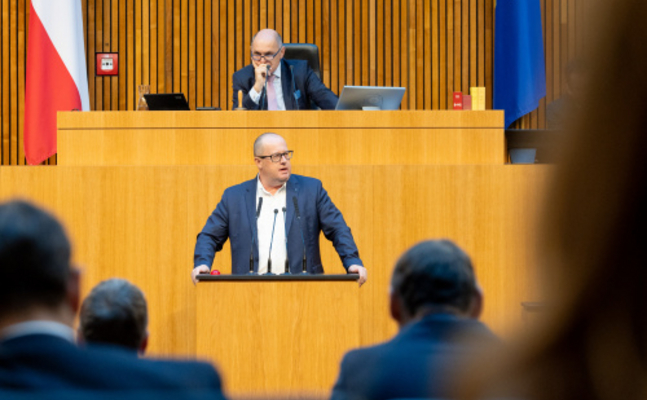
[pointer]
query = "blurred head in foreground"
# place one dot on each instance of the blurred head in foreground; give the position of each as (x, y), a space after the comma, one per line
(115, 313)
(594, 242)
(436, 302)
(434, 276)
(36, 281)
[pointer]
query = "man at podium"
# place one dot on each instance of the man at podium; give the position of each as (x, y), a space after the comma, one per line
(275, 219)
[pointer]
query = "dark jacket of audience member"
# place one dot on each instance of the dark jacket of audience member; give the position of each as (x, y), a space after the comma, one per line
(115, 312)
(38, 302)
(435, 300)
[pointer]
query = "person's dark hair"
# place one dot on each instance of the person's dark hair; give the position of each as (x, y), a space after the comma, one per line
(434, 274)
(114, 313)
(34, 258)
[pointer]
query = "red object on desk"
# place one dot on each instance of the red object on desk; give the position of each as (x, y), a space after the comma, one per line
(458, 100)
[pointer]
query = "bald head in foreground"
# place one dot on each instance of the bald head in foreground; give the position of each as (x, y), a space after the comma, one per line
(436, 302)
(291, 84)
(39, 297)
(290, 204)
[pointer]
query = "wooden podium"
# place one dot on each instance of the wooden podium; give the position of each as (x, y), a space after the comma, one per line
(277, 334)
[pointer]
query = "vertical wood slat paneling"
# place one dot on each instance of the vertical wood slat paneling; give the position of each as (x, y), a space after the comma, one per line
(114, 46)
(5, 143)
(22, 57)
(123, 100)
(98, 41)
(13, 85)
(432, 47)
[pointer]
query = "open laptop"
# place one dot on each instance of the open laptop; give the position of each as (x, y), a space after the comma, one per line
(166, 101)
(370, 98)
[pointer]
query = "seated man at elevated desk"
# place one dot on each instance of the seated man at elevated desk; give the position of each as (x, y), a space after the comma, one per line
(272, 83)
(271, 217)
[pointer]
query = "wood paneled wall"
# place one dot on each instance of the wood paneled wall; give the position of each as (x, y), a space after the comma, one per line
(140, 223)
(432, 47)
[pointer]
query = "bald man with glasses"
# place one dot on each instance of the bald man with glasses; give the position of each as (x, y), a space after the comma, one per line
(272, 83)
(288, 204)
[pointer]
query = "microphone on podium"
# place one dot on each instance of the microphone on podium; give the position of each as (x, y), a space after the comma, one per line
(269, 256)
(304, 269)
(254, 234)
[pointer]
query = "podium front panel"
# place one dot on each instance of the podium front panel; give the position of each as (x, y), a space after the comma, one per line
(277, 336)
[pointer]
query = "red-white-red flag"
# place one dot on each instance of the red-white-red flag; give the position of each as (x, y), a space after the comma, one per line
(56, 73)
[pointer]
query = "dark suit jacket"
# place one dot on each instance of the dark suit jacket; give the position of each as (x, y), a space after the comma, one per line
(46, 362)
(234, 218)
(307, 86)
(419, 362)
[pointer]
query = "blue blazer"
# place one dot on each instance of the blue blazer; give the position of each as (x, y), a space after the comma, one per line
(421, 361)
(308, 88)
(235, 218)
(47, 362)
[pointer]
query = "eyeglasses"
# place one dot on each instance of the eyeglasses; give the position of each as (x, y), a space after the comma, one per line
(278, 156)
(267, 57)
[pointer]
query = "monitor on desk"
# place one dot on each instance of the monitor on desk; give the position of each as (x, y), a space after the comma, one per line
(370, 98)
(166, 102)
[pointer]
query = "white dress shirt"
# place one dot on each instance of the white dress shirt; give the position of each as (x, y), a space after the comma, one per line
(278, 88)
(271, 202)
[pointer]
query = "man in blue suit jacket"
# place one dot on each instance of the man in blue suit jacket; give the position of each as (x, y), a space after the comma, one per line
(39, 296)
(295, 86)
(291, 203)
(435, 300)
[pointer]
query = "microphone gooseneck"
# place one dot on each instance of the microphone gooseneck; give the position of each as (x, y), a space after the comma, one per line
(264, 95)
(254, 227)
(287, 258)
(269, 256)
(304, 266)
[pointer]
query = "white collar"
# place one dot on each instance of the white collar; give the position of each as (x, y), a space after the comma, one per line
(259, 186)
(38, 327)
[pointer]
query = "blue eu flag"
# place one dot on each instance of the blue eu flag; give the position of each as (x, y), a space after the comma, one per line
(519, 67)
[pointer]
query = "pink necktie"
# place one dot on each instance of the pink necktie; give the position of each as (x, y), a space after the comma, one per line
(271, 94)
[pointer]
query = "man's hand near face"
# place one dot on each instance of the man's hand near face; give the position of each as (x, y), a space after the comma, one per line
(260, 72)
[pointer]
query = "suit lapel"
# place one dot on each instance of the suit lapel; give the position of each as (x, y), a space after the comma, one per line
(250, 206)
(292, 191)
(286, 83)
